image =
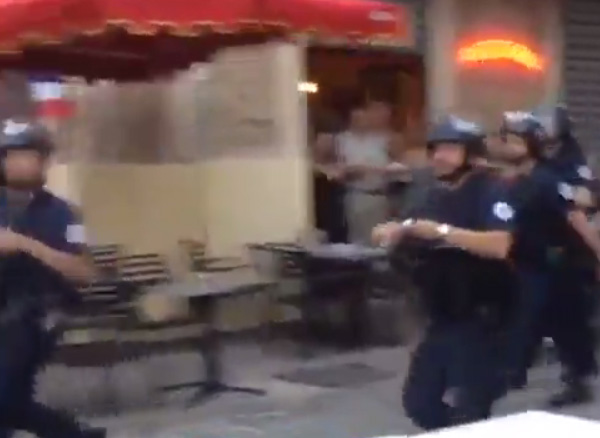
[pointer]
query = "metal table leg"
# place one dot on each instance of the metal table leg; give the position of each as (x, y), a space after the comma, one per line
(211, 350)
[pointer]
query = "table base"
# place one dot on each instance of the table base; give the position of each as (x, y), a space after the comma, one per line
(208, 390)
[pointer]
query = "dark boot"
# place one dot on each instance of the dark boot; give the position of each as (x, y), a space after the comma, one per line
(518, 381)
(94, 432)
(573, 393)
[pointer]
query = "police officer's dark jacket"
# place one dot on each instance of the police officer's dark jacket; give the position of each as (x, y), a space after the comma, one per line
(542, 203)
(570, 165)
(455, 284)
(26, 284)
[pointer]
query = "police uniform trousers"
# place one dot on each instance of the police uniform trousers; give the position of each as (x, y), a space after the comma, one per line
(567, 319)
(24, 348)
(555, 304)
(526, 326)
(456, 357)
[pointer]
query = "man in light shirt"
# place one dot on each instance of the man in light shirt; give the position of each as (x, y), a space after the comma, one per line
(365, 150)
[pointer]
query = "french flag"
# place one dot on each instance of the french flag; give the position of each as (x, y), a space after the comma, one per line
(51, 101)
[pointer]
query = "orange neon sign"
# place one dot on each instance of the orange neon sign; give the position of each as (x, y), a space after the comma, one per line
(493, 50)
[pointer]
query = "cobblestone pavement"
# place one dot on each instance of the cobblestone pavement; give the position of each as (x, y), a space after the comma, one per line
(289, 410)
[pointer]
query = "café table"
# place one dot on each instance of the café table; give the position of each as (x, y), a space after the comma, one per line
(351, 269)
(203, 293)
(346, 252)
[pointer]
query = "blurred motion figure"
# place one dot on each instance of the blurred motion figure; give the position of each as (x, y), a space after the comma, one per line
(42, 257)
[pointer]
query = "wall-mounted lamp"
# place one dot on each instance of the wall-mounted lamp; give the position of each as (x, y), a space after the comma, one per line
(498, 49)
(308, 87)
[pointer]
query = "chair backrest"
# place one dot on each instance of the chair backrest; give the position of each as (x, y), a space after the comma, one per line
(195, 253)
(144, 269)
(106, 257)
(101, 297)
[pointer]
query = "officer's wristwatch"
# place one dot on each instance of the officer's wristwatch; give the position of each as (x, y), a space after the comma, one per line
(443, 230)
(408, 222)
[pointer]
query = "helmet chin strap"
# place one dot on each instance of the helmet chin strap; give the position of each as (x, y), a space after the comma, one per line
(26, 186)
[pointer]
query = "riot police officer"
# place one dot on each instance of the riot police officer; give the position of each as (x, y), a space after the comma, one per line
(564, 155)
(42, 256)
(571, 300)
(547, 218)
(463, 232)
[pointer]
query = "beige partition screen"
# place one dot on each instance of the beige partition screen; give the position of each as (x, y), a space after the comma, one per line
(256, 167)
(215, 153)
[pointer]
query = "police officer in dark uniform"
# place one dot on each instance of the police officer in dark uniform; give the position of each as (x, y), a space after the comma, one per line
(546, 218)
(462, 233)
(572, 287)
(42, 256)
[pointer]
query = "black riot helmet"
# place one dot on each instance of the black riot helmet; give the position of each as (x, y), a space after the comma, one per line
(455, 130)
(555, 120)
(526, 126)
(23, 135)
(562, 147)
(15, 135)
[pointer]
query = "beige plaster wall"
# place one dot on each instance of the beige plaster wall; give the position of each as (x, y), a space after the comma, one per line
(147, 178)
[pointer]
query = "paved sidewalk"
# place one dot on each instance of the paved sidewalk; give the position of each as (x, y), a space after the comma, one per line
(290, 410)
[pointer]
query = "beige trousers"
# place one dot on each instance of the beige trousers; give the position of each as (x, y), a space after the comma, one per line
(363, 212)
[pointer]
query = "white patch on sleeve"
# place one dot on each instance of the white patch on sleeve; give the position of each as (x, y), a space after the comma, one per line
(76, 234)
(14, 128)
(566, 191)
(503, 211)
(584, 172)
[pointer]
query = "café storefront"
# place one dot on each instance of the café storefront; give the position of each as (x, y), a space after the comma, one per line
(141, 147)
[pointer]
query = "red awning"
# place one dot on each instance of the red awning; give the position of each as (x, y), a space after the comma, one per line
(43, 20)
(362, 19)
(46, 21)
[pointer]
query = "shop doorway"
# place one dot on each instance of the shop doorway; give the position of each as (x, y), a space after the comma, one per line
(340, 79)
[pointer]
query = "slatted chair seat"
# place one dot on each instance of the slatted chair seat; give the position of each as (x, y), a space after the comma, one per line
(87, 336)
(90, 334)
(102, 296)
(141, 270)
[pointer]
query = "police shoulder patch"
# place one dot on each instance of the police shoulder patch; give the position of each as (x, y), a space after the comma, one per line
(503, 211)
(76, 234)
(566, 191)
(14, 128)
(584, 172)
